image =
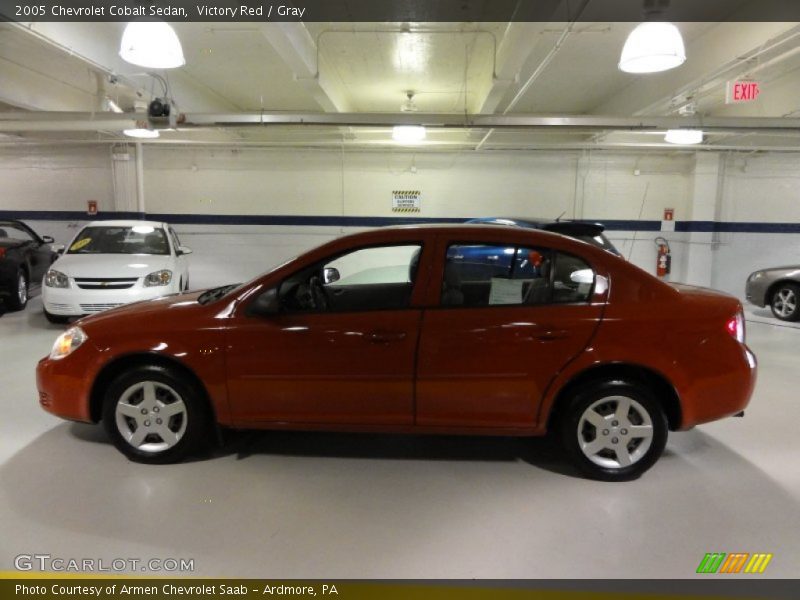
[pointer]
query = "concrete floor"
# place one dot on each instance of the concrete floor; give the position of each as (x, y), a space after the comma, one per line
(324, 505)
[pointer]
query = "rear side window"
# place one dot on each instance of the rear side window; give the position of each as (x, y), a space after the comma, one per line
(477, 275)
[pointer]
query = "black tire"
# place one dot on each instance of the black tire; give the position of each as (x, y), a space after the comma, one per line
(190, 426)
(785, 302)
(56, 319)
(186, 284)
(18, 299)
(618, 438)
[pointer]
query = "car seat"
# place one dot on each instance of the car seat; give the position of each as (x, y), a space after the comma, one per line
(451, 286)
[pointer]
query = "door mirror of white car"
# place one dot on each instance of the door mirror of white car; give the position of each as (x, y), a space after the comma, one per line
(265, 305)
(184, 250)
(47, 239)
(330, 275)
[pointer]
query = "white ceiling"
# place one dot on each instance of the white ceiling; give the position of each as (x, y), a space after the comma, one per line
(457, 68)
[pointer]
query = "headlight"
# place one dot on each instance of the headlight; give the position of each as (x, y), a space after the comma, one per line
(56, 279)
(68, 342)
(158, 278)
(756, 275)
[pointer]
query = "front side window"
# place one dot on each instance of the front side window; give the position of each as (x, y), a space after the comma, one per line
(375, 278)
(14, 232)
(138, 239)
(478, 275)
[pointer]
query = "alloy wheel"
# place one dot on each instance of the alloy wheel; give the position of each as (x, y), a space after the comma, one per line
(151, 416)
(785, 302)
(615, 432)
(22, 289)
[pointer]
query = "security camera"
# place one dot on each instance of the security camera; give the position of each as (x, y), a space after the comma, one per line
(162, 111)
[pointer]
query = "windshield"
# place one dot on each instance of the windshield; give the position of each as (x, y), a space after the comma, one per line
(138, 239)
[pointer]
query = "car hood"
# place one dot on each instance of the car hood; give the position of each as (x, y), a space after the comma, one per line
(111, 265)
(157, 313)
(777, 269)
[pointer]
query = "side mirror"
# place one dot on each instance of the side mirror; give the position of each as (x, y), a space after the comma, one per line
(266, 304)
(329, 275)
(59, 249)
(47, 239)
(183, 250)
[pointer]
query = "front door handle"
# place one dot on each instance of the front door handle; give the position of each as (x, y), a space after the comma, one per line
(385, 337)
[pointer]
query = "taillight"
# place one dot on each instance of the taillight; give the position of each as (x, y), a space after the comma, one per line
(2, 252)
(735, 326)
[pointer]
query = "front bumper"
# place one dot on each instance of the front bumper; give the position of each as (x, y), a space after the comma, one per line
(74, 301)
(65, 385)
(755, 290)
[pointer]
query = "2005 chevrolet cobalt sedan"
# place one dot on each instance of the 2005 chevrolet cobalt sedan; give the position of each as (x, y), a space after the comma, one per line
(398, 330)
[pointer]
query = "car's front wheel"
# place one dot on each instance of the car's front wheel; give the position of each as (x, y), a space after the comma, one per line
(785, 302)
(19, 298)
(154, 415)
(613, 430)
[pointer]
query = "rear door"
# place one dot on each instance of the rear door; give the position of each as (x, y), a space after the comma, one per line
(496, 340)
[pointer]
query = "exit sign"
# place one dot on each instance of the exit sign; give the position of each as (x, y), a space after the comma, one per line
(742, 91)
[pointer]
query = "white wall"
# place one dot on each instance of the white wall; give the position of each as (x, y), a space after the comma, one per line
(598, 185)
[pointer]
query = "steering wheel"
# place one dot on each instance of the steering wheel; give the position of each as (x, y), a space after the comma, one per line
(318, 293)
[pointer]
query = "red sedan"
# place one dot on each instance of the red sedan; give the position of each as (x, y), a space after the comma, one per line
(446, 329)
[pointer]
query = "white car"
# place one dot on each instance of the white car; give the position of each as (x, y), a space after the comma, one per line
(110, 263)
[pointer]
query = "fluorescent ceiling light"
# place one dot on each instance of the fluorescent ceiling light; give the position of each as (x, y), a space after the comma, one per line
(408, 134)
(141, 133)
(684, 136)
(652, 47)
(151, 44)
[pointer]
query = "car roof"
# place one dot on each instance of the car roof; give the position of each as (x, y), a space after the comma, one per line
(573, 227)
(126, 223)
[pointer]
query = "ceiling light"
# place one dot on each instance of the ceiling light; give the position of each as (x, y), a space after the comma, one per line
(141, 133)
(151, 44)
(408, 134)
(684, 136)
(652, 47)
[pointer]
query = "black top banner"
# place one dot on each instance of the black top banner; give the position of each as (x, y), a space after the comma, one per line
(401, 10)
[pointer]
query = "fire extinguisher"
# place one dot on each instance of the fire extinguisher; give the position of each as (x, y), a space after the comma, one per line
(663, 257)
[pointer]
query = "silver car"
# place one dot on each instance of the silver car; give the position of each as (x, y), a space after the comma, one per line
(779, 288)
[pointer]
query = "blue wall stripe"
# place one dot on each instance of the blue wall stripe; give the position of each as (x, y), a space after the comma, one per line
(340, 221)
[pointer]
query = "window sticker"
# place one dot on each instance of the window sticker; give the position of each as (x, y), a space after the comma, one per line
(506, 291)
(80, 244)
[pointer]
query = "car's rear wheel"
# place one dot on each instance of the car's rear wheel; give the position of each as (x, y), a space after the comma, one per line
(153, 415)
(55, 319)
(19, 298)
(785, 302)
(613, 430)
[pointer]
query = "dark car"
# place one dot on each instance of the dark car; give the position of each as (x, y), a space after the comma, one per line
(24, 258)
(379, 332)
(585, 231)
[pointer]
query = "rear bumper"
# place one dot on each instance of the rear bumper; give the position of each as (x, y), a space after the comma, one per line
(719, 395)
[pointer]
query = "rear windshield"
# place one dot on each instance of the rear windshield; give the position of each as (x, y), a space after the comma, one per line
(139, 239)
(599, 240)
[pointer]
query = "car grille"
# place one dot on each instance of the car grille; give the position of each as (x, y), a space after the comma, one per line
(105, 283)
(93, 308)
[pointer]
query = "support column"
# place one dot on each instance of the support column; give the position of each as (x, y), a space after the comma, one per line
(705, 201)
(140, 204)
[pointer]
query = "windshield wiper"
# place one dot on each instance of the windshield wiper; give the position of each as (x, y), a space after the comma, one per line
(216, 293)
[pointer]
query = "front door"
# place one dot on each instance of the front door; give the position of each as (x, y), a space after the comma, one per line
(340, 348)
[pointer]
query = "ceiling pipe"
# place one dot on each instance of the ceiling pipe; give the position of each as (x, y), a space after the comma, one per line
(76, 121)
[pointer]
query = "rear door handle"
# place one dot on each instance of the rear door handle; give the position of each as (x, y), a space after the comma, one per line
(384, 337)
(550, 335)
